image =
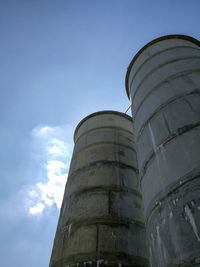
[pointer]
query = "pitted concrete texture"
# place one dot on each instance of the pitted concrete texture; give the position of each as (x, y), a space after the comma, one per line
(173, 226)
(101, 220)
(163, 81)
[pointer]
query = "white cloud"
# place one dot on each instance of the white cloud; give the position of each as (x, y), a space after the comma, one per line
(58, 148)
(55, 150)
(50, 144)
(33, 193)
(55, 166)
(38, 208)
(44, 130)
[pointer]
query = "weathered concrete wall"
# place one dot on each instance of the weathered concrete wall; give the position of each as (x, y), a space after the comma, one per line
(163, 81)
(101, 219)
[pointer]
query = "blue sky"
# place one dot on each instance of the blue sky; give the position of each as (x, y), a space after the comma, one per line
(60, 61)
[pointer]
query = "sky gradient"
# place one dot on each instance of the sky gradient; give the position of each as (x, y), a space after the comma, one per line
(60, 61)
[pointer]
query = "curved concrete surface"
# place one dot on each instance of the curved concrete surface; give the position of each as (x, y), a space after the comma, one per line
(163, 81)
(101, 220)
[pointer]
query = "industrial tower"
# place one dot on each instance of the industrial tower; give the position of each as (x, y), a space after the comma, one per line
(133, 196)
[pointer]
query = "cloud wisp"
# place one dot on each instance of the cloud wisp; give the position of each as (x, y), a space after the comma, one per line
(53, 153)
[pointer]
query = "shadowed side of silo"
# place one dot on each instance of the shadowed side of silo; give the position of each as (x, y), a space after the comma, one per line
(163, 83)
(101, 219)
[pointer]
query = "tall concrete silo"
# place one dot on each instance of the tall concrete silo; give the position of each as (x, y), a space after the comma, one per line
(101, 219)
(163, 83)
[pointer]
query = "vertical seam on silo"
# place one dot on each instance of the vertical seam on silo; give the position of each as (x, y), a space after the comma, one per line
(195, 91)
(179, 132)
(109, 202)
(97, 242)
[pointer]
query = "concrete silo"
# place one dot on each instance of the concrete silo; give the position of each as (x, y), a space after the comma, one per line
(101, 219)
(163, 84)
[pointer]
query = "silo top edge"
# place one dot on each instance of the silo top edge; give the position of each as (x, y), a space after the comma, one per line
(171, 36)
(100, 113)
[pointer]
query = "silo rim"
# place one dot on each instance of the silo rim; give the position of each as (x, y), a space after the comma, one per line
(100, 113)
(171, 36)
